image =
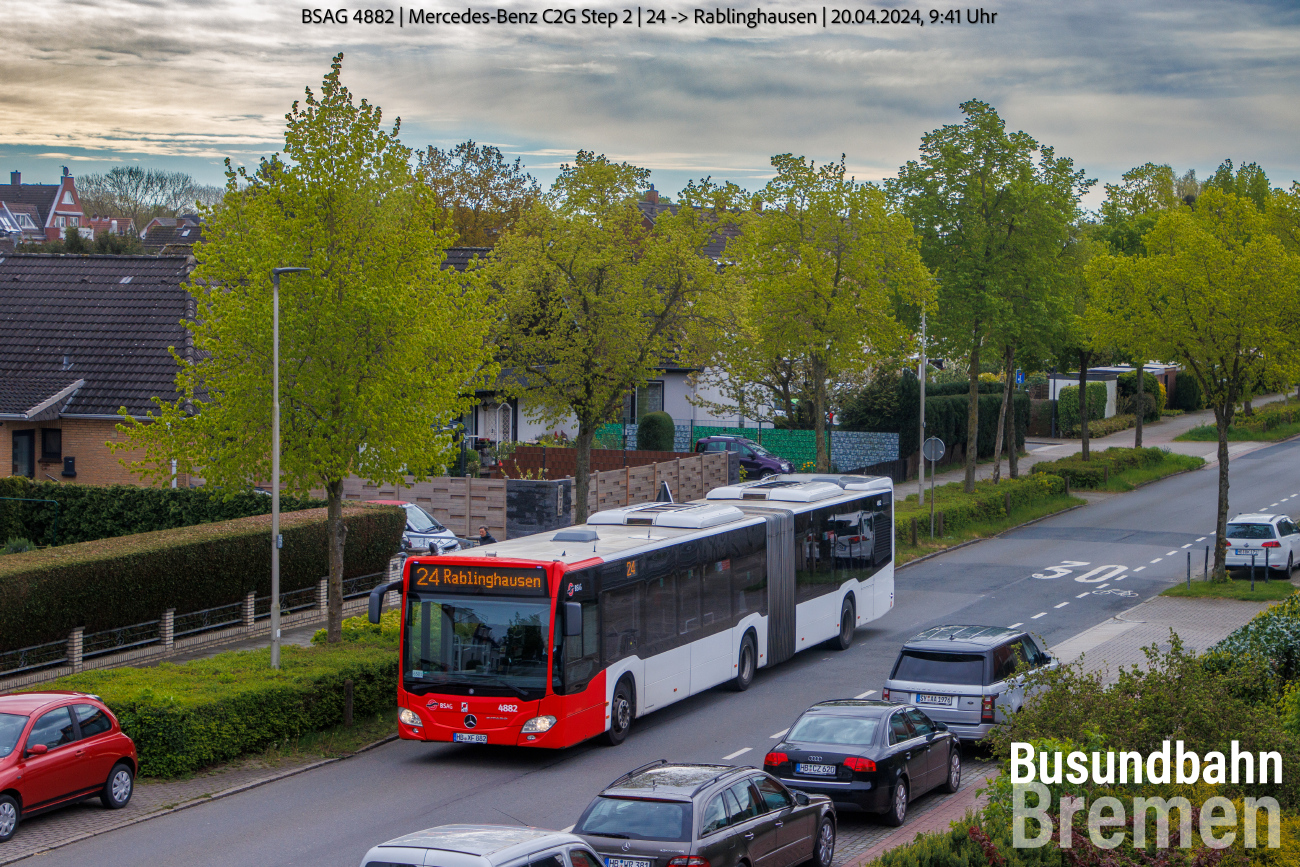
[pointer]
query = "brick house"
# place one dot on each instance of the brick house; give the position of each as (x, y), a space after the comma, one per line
(172, 240)
(112, 225)
(80, 337)
(44, 212)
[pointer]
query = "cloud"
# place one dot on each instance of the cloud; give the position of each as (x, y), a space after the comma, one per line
(1111, 84)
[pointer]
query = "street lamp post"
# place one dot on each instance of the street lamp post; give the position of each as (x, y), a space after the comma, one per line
(275, 460)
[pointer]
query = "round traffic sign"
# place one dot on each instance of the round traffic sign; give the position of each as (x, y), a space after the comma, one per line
(932, 449)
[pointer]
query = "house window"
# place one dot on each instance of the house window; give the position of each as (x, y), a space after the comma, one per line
(26, 221)
(67, 198)
(646, 399)
(51, 444)
(73, 221)
(25, 453)
(61, 222)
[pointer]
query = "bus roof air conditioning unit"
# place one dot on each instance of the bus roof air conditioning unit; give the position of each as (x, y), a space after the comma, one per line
(778, 491)
(682, 516)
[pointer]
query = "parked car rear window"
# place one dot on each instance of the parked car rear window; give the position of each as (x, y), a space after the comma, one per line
(1250, 531)
(819, 729)
(928, 667)
(636, 819)
(11, 726)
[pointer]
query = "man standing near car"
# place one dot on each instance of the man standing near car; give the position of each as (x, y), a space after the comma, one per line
(484, 537)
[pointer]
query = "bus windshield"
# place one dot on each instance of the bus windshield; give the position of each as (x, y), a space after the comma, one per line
(492, 646)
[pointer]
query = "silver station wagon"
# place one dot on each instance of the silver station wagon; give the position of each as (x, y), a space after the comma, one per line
(483, 846)
(967, 677)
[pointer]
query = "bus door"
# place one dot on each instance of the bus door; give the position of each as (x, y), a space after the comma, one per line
(576, 677)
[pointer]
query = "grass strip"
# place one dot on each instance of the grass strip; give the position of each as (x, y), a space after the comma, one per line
(1238, 588)
(1208, 433)
(905, 552)
(1127, 480)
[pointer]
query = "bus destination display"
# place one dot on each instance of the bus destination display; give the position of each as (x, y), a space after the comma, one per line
(478, 579)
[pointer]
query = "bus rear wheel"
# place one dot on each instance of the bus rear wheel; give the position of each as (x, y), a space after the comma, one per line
(848, 623)
(746, 663)
(621, 711)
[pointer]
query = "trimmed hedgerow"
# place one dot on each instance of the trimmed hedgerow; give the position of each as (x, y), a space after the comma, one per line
(1067, 407)
(987, 503)
(88, 512)
(186, 717)
(1092, 473)
(133, 579)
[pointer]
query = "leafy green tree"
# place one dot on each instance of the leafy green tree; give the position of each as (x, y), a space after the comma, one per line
(995, 228)
(1249, 182)
(378, 344)
(142, 193)
(485, 194)
(595, 300)
(1217, 292)
(821, 266)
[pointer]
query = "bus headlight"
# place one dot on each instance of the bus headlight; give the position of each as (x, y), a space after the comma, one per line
(539, 724)
(410, 717)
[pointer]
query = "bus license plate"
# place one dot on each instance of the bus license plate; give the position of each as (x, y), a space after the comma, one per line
(816, 770)
(923, 698)
(627, 862)
(467, 738)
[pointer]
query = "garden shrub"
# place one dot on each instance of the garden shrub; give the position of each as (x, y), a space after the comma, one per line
(359, 630)
(987, 503)
(1092, 473)
(186, 717)
(133, 579)
(1067, 406)
(1271, 638)
(655, 432)
(17, 545)
(1187, 394)
(88, 512)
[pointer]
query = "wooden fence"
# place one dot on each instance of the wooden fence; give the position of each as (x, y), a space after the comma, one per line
(465, 504)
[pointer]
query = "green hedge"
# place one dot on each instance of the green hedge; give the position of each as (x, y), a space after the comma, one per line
(133, 579)
(186, 717)
(655, 432)
(1187, 394)
(889, 404)
(987, 503)
(1092, 473)
(88, 512)
(1067, 406)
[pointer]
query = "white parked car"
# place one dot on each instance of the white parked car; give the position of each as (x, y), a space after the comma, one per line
(423, 531)
(484, 846)
(1273, 536)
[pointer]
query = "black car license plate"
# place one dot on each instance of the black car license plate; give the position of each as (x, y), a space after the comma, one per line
(815, 770)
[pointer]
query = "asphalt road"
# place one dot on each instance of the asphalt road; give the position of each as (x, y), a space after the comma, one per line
(1134, 543)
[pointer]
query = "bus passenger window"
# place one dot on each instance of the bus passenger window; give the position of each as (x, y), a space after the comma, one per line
(688, 601)
(715, 600)
(622, 631)
(660, 610)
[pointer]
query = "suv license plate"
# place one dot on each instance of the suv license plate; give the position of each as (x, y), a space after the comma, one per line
(923, 698)
(815, 770)
(467, 738)
(627, 862)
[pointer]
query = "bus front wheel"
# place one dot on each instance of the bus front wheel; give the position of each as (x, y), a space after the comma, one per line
(621, 710)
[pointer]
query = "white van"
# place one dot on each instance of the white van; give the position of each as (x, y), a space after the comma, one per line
(483, 846)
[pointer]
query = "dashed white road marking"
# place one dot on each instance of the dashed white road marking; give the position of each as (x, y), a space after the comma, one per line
(1100, 586)
(1202, 539)
(1188, 545)
(1120, 578)
(1157, 560)
(869, 692)
(1038, 615)
(1062, 605)
(1271, 505)
(736, 754)
(1139, 569)
(1171, 553)
(779, 734)
(1014, 625)
(1081, 595)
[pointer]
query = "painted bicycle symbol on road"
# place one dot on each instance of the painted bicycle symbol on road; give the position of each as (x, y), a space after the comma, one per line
(1123, 594)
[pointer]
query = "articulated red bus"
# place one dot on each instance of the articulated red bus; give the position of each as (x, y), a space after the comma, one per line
(551, 639)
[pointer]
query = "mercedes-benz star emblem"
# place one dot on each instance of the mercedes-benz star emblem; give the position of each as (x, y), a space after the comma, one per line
(627, 847)
(470, 721)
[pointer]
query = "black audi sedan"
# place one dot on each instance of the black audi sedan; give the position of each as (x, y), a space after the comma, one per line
(875, 756)
(682, 815)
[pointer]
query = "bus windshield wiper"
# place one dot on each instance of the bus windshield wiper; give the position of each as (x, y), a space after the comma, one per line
(488, 680)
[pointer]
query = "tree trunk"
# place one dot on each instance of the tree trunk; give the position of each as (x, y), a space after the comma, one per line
(582, 472)
(820, 401)
(337, 532)
(1013, 441)
(1141, 408)
(1222, 419)
(1084, 357)
(973, 417)
(1247, 409)
(1007, 359)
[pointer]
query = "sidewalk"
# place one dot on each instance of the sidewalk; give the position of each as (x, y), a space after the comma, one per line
(1107, 646)
(1156, 433)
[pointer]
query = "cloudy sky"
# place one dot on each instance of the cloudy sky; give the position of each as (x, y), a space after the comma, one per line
(182, 84)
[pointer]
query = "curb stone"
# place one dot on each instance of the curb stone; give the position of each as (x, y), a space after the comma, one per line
(203, 799)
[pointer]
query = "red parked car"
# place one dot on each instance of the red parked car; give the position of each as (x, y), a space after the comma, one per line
(57, 748)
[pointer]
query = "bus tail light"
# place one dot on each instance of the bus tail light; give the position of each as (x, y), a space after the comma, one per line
(775, 759)
(986, 709)
(854, 763)
(410, 717)
(689, 861)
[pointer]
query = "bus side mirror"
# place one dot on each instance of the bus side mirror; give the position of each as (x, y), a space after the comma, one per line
(572, 619)
(377, 598)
